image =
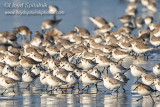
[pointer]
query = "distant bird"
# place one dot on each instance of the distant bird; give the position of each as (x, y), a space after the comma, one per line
(98, 21)
(82, 32)
(126, 18)
(24, 31)
(53, 10)
(49, 24)
(148, 20)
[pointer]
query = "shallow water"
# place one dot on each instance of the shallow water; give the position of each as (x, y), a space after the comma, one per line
(76, 13)
(38, 96)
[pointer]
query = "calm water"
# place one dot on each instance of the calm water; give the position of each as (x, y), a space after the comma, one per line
(76, 13)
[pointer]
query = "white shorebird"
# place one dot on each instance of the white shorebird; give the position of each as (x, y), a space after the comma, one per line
(54, 82)
(7, 82)
(144, 90)
(89, 79)
(29, 77)
(112, 83)
(156, 70)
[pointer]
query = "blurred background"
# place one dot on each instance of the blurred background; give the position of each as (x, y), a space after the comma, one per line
(76, 13)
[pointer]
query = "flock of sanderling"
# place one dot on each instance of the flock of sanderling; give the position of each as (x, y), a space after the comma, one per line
(65, 61)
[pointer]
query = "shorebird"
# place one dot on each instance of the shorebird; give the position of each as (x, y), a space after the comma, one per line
(125, 45)
(50, 63)
(131, 12)
(53, 10)
(156, 32)
(140, 48)
(29, 77)
(24, 30)
(17, 76)
(144, 90)
(119, 55)
(49, 24)
(97, 38)
(36, 41)
(148, 20)
(157, 85)
(72, 80)
(152, 6)
(60, 73)
(105, 28)
(140, 22)
(154, 26)
(98, 21)
(14, 50)
(102, 61)
(148, 79)
(87, 64)
(5, 70)
(12, 61)
(154, 40)
(112, 83)
(117, 68)
(52, 50)
(121, 77)
(27, 62)
(68, 66)
(95, 72)
(156, 70)
(36, 69)
(36, 56)
(7, 82)
(137, 71)
(43, 78)
(82, 32)
(88, 55)
(126, 19)
(54, 82)
(89, 79)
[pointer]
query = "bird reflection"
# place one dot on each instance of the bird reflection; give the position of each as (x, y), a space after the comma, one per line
(113, 101)
(147, 102)
(9, 102)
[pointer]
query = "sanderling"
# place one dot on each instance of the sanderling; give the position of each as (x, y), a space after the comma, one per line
(89, 79)
(144, 90)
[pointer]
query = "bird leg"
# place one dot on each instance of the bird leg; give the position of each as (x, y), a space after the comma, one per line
(72, 89)
(135, 88)
(151, 98)
(96, 88)
(88, 88)
(46, 87)
(117, 91)
(13, 90)
(145, 55)
(158, 95)
(28, 87)
(124, 90)
(137, 79)
(139, 99)
(85, 87)
(103, 70)
(4, 91)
